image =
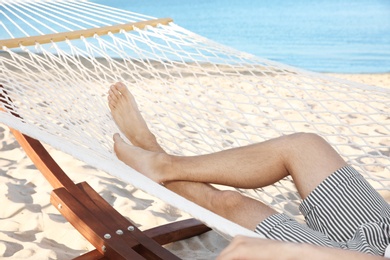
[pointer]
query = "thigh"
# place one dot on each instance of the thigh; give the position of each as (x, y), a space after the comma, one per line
(310, 159)
(283, 228)
(342, 203)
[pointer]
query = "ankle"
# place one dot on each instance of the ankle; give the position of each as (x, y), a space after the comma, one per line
(164, 164)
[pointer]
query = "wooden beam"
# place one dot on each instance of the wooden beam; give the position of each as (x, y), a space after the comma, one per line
(114, 247)
(136, 239)
(176, 231)
(59, 37)
(41, 158)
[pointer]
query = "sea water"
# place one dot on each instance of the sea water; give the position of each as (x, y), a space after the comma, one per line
(346, 36)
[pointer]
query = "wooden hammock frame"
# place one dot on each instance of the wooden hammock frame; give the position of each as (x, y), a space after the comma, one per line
(86, 33)
(113, 236)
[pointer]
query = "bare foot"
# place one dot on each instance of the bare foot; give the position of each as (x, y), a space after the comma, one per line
(127, 116)
(151, 164)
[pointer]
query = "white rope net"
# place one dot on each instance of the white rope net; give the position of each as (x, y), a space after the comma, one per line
(196, 95)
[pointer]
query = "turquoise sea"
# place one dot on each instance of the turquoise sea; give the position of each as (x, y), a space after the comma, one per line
(346, 36)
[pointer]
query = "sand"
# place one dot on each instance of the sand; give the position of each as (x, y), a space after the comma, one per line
(31, 228)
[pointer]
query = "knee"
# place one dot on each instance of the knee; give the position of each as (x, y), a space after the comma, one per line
(304, 136)
(300, 145)
(302, 139)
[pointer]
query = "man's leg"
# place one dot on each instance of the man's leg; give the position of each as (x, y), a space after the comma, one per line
(232, 205)
(308, 158)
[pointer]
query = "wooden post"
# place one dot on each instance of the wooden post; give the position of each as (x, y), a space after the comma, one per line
(72, 35)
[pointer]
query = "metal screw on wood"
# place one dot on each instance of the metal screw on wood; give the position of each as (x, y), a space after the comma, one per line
(119, 232)
(59, 206)
(107, 236)
(104, 249)
(130, 228)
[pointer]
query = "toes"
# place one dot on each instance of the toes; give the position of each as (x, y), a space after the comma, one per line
(114, 93)
(122, 90)
(117, 91)
(117, 138)
(119, 86)
(111, 102)
(118, 142)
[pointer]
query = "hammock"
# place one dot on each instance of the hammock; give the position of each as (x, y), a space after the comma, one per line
(196, 95)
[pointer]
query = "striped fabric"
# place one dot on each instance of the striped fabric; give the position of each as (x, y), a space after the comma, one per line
(344, 211)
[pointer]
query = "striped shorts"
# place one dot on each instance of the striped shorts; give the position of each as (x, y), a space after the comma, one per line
(344, 211)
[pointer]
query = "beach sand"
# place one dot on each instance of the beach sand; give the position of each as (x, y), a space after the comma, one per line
(31, 228)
